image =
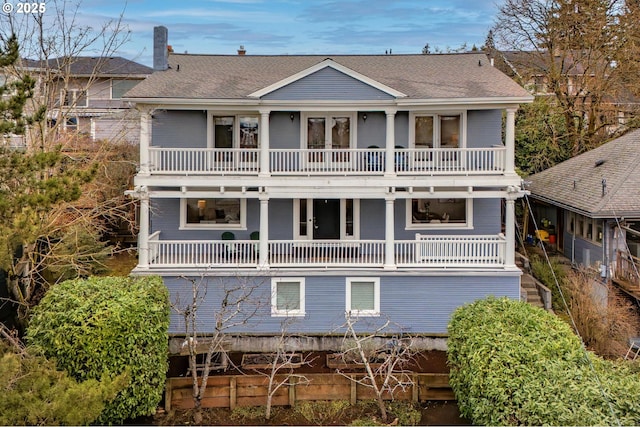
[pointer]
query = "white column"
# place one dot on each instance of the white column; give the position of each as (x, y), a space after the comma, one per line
(510, 141)
(389, 234)
(390, 142)
(510, 233)
(264, 143)
(145, 141)
(143, 232)
(263, 248)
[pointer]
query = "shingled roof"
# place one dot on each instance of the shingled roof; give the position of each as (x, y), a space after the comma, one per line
(577, 184)
(449, 76)
(88, 65)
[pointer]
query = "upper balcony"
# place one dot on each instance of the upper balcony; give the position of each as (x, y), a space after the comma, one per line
(307, 162)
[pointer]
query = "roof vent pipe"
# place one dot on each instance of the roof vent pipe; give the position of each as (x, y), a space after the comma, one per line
(604, 187)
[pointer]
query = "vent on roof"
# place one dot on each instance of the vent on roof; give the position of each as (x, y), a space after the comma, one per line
(600, 162)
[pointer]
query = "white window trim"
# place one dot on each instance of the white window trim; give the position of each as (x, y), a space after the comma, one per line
(274, 297)
(241, 226)
(304, 134)
(236, 126)
(436, 127)
(409, 225)
(309, 219)
(376, 297)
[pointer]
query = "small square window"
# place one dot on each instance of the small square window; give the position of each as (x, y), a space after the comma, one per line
(287, 297)
(363, 296)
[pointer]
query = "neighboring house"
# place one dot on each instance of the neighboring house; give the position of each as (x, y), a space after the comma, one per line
(531, 69)
(592, 204)
(85, 93)
(370, 184)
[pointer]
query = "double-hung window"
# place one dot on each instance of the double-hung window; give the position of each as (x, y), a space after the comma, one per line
(363, 296)
(74, 98)
(287, 296)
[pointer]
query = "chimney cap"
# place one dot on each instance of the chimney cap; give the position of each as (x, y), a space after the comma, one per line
(241, 51)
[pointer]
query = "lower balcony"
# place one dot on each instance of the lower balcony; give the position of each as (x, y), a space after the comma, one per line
(423, 252)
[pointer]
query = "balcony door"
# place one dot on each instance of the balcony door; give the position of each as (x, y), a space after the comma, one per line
(328, 132)
(326, 219)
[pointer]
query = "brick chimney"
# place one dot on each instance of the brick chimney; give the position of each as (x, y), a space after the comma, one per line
(160, 48)
(241, 51)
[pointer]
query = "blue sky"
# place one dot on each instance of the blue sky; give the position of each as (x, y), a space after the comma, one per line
(296, 26)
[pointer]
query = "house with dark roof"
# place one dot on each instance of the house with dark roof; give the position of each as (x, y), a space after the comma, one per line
(373, 185)
(591, 202)
(85, 94)
(576, 70)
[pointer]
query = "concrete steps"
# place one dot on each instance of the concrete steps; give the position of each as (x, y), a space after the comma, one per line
(528, 288)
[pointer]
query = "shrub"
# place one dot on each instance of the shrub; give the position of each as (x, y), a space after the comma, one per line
(511, 363)
(322, 412)
(34, 392)
(106, 326)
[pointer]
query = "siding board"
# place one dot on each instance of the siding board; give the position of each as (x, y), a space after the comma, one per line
(327, 84)
(418, 304)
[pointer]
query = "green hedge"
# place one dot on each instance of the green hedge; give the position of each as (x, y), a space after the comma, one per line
(34, 392)
(514, 364)
(108, 326)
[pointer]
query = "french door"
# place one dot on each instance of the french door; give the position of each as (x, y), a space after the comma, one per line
(328, 132)
(326, 219)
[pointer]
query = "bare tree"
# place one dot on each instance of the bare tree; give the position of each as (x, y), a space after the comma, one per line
(573, 49)
(51, 41)
(384, 359)
(281, 365)
(239, 302)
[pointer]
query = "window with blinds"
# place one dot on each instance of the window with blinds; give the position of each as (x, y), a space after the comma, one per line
(287, 297)
(363, 296)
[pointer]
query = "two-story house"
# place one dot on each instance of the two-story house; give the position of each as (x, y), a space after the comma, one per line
(379, 185)
(84, 94)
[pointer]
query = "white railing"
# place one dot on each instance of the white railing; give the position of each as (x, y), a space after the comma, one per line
(203, 253)
(204, 160)
(452, 161)
(354, 253)
(424, 251)
(361, 161)
(450, 251)
(369, 161)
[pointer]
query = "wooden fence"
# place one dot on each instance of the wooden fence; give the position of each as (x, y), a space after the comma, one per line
(251, 390)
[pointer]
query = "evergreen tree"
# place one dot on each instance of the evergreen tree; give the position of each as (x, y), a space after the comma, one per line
(32, 181)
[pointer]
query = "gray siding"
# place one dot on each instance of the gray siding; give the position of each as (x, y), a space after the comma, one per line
(419, 305)
(580, 251)
(327, 84)
(165, 217)
(179, 129)
(484, 128)
(284, 132)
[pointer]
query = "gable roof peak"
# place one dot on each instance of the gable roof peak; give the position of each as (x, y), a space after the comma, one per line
(327, 62)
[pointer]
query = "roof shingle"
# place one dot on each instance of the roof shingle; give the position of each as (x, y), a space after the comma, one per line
(578, 182)
(447, 76)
